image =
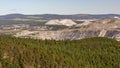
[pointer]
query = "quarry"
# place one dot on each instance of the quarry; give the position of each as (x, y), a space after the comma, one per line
(101, 28)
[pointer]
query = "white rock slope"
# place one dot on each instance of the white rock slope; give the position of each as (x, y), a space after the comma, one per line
(66, 22)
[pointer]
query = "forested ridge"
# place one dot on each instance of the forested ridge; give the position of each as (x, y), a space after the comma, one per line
(94, 52)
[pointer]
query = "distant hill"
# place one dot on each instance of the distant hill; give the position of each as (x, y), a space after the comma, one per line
(56, 16)
(11, 16)
(94, 52)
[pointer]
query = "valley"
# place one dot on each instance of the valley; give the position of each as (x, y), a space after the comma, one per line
(59, 29)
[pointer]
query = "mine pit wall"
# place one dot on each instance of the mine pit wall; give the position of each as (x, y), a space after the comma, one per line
(72, 34)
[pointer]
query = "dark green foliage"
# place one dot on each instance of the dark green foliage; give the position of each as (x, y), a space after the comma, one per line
(86, 53)
(57, 27)
(31, 23)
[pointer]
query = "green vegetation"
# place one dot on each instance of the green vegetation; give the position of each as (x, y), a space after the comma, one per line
(57, 27)
(85, 53)
(12, 22)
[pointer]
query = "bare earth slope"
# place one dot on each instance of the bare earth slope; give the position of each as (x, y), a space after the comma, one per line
(101, 28)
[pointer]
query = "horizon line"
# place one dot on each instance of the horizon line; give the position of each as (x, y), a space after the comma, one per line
(62, 14)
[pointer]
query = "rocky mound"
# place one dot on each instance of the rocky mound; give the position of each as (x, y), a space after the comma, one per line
(53, 22)
(66, 22)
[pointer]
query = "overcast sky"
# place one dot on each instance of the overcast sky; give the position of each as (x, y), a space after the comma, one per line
(60, 6)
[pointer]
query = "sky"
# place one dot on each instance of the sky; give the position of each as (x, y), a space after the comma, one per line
(60, 6)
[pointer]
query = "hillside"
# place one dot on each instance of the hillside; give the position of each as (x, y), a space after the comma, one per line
(57, 16)
(65, 22)
(53, 29)
(94, 52)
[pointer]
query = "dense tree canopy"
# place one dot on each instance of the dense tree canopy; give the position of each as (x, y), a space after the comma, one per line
(94, 52)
